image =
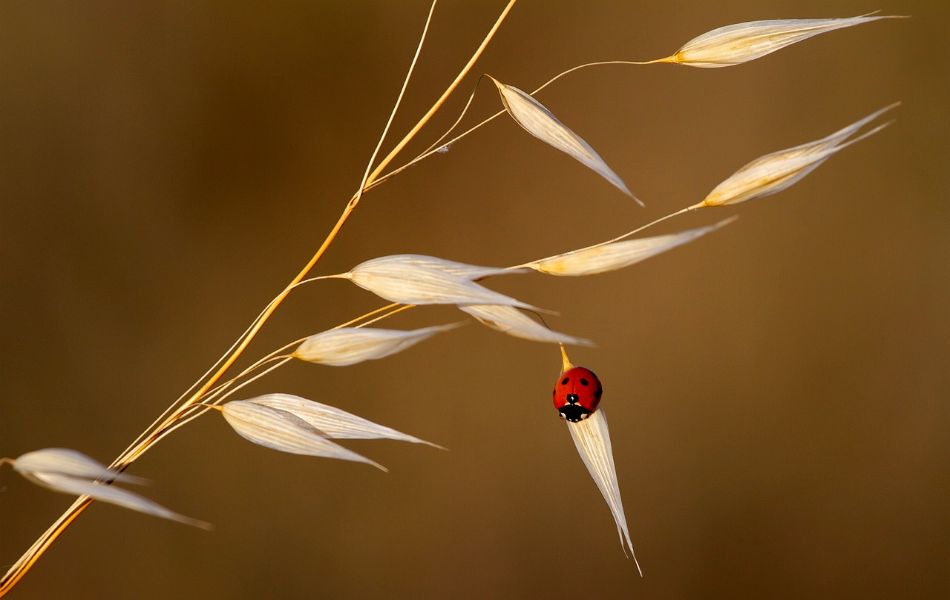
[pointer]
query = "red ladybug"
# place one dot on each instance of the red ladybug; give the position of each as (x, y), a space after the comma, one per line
(577, 393)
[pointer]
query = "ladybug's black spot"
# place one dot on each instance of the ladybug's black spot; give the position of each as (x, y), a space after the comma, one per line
(584, 381)
(572, 398)
(565, 380)
(573, 412)
(599, 393)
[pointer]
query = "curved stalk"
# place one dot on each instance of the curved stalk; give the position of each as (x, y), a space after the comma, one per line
(39, 547)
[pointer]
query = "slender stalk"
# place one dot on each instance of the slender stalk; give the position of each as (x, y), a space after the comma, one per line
(282, 360)
(445, 95)
(399, 308)
(184, 394)
(392, 114)
(432, 149)
(204, 406)
(215, 393)
(372, 313)
(221, 392)
(39, 547)
(221, 388)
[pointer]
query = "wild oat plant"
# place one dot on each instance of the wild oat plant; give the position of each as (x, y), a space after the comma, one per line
(297, 425)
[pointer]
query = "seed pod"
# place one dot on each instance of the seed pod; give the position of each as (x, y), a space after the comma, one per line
(350, 345)
(281, 430)
(742, 42)
(777, 171)
(592, 439)
(537, 120)
(403, 279)
(71, 472)
(602, 258)
(512, 321)
(333, 422)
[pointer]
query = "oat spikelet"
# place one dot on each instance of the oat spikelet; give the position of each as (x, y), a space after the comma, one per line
(540, 122)
(512, 321)
(334, 422)
(743, 42)
(592, 439)
(603, 258)
(350, 345)
(284, 431)
(777, 171)
(71, 472)
(405, 279)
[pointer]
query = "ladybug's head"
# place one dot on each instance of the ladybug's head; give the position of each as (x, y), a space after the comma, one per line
(572, 411)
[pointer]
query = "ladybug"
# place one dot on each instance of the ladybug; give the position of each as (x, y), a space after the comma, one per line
(577, 393)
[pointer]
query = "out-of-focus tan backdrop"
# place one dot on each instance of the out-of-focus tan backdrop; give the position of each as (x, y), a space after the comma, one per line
(777, 391)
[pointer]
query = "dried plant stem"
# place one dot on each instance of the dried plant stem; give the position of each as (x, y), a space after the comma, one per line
(39, 547)
(399, 308)
(221, 392)
(215, 403)
(643, 227)
(276, 355)
(435, 146)
(191, 388)
(216, 392)
(371, 313)
(279, 362)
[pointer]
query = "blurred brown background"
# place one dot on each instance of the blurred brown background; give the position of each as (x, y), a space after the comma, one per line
(778, 391)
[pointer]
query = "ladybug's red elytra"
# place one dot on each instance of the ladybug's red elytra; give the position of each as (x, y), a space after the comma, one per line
(577, 393)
